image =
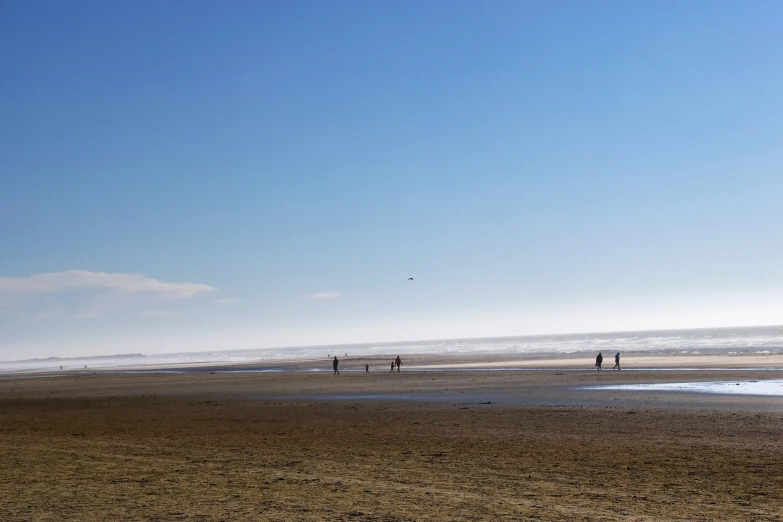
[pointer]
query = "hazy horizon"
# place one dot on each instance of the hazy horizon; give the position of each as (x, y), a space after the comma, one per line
(400, 341)
(754, 340)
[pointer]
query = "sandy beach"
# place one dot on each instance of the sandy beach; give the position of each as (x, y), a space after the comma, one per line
(457, 442)
(204, 205)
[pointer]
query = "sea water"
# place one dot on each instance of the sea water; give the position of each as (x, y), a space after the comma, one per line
(746, 340)
(771, 387)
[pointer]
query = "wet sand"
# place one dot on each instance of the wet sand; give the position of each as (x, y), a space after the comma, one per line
(425, 445)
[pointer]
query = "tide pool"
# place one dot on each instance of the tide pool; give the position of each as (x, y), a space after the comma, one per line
(772, 387)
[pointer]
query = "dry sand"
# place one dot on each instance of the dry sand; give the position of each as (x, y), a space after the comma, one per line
(483, 445)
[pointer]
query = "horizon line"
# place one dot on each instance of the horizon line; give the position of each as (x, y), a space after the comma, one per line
(402, 341)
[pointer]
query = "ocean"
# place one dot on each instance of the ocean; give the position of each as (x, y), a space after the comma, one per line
(741, 340)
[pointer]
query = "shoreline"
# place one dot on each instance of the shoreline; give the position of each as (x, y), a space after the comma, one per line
(633, 361)
(541, 383)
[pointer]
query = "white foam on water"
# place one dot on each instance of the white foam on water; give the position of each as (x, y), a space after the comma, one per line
(772, 387)
(750, 340)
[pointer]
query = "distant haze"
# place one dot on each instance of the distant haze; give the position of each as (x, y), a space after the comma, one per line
(714, 341)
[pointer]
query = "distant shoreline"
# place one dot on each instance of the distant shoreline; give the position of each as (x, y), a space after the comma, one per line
(526, 351)
(544, 382)
(483, 362)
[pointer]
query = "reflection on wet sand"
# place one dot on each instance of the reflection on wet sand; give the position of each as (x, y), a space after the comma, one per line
(772, 387)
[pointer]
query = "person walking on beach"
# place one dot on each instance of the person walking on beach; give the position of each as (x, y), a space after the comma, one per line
(366, 368)
(398, 362)
(599, 360)
(392, 367)
(616, 361)
(335, 362)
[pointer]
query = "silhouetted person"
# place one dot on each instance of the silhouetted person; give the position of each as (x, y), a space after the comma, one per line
(616, 361)
(392, 367)
(398, 362)
(599, 360)
(366, 368)
(335, 362)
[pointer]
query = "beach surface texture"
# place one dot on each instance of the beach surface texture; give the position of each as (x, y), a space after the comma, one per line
(481, 438)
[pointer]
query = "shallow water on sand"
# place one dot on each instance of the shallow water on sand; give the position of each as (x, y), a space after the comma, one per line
(772, 387)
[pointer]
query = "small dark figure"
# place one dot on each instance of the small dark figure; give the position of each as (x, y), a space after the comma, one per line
(85, 366)
(366, 368)
(616, 361)
(599, 360)
(335, 362)
(410, 279)
(398, 362)
(392, 367)
(61, 367)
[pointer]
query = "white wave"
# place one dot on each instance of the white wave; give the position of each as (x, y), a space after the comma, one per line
(726, 341)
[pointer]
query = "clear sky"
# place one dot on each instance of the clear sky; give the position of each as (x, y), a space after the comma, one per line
(211, 175)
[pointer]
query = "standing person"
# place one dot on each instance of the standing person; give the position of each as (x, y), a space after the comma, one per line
(398, 362)
(616, 361)
(335, 362)
(366, 368)
(599, 360)
(392, 367)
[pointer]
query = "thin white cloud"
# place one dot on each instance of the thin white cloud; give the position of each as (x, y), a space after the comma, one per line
(69, 280)
(224, 301)
(158, 313)
(324, 295)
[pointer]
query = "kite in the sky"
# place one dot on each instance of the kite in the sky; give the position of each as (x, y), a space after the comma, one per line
(410, 279)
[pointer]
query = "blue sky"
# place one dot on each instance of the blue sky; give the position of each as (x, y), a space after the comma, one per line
(537, 167)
